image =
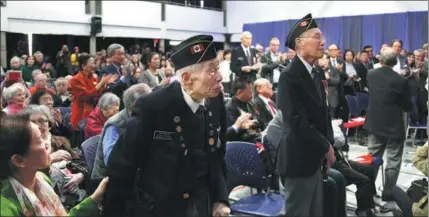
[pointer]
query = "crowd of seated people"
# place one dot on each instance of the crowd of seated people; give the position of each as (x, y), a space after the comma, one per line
(100, 92)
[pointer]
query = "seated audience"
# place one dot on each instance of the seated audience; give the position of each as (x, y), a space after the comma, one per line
(239, 104)
(407, 206)
(263, 90)
(41, 83)
(44, 97)
(15, 97)
(115, 126)
(24, 190)
(108, 105)
(86, 89)
(62, 85)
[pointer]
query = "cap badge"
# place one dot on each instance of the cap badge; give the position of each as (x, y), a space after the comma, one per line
(197, 48)
(303, 23)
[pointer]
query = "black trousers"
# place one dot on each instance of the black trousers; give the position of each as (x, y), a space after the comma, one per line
(335, 195)
(403, 201)
(363, 176)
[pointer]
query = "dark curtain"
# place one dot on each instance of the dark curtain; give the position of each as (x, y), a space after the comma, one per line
(354, 31)
(372, 31)
(395, 26)
(417, 23)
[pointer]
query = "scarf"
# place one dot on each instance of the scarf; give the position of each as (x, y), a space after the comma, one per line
(42, 202)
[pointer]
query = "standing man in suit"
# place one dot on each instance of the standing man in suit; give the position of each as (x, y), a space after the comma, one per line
(243, 59)
(302, 101)
(272, 60)
(401, 66)
(389, 97)
(334, 57)
(332, 76)
(170, 161)
(263, 102)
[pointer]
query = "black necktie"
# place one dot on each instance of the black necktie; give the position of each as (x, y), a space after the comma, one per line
(316, 82)
(249, 58)
(200, 113)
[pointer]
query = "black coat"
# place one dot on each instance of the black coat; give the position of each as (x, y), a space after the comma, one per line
(155, 143)
(389, 97)
(233, 108)
(306, 119)
(264, 115)
(239, 59)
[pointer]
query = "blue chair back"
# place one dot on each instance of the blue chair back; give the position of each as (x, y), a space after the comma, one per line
(244, 166)
(89, 149)
(353, 105)
(363, 101)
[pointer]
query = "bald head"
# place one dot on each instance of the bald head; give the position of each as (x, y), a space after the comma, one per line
(246, 39)
(389, 57)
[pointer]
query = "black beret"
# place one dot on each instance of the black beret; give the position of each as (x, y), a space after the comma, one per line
(193, 50)
(300, 27)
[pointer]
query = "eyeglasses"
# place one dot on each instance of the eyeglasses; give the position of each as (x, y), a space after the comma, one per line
(318, 37)
(40, 121)
(46, 99)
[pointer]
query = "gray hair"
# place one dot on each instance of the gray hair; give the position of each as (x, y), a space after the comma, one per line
(111, 50)
(425, 46)
(389, 57)
(259, 82)
(108, 100)
(15, 58)
(9, 91)
(133, 93)
(40, 76)
(34, 72)
(39, 109)
(61, 80)
(37, 53)
(186, 69)
(418, 51)
(245, 34)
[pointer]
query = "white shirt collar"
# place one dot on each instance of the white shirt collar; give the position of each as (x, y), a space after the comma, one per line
(245, 48)
(191, 103)
(307, 65)
(266, 100)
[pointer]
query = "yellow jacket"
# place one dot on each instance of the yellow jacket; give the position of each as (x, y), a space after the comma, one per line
(420, 161)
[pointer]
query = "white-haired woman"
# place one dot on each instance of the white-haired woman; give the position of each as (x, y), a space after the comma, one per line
(108, 105)
(15, 96)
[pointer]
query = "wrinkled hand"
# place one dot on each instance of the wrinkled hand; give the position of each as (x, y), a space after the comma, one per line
(74, 182)
(240, 122)
(330, 157)
(99, 192)
(57, 116)
(60, 155)
(340, 67)
(164, 82)
(221, 209)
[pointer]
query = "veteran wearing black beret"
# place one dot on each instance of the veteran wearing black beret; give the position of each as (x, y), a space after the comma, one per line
(302, 100)
(170, 161)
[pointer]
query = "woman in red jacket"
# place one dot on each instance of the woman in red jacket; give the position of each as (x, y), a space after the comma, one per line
(86, 89)
(108, 105)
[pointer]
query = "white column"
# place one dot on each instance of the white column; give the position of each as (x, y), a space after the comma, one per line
(92, 38)
(3, 50)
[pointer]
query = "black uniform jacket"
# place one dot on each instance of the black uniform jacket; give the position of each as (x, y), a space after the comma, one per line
(158, 141)
(305, 118)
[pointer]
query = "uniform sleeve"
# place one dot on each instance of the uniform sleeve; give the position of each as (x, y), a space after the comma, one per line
(85, 208)
(124, 160)
(111, 136)
(295, 115)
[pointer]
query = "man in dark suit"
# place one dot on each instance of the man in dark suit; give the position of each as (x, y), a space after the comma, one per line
(243, 59)
(332, 76)
(266, 107)
(116, 53)
(371, 59)
(334, 57)
(401, 66)
(290, 56)
(389, 97)
(302, 101)
(271, 60)
(241, 103)
(170, 161)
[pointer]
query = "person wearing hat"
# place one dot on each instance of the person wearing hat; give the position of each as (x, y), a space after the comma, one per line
(306, 148)
(170, 160)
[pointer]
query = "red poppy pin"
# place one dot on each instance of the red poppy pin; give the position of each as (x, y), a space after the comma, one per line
(325, 83)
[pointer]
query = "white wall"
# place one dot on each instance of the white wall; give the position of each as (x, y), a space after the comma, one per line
(241, 12)
(135, 19)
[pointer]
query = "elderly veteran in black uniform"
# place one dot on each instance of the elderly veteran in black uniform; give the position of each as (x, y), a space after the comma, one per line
(307, 145)
(170, 161)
